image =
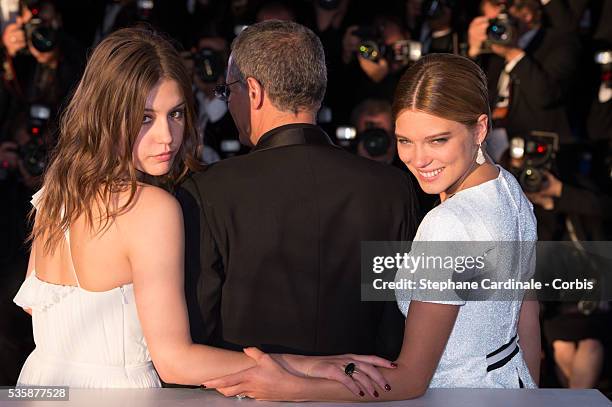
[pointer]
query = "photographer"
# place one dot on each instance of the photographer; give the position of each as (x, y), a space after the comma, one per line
(375, 140)
(373, 122)
(528, 65)
(575, 331)
(41, 64)
(373, 59)
(216, 128)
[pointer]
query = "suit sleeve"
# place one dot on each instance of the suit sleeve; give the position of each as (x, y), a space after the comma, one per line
(204, 272)
(391, 328)
(544, 82)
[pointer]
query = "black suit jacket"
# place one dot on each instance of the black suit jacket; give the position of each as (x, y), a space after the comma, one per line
(273, 247)
(540, 84)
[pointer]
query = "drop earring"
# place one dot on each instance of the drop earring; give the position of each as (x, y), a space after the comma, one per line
(480, 158)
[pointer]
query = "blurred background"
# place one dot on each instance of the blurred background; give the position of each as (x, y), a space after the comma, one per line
(549, 68)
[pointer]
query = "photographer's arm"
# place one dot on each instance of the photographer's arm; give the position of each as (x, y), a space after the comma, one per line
(544, 83)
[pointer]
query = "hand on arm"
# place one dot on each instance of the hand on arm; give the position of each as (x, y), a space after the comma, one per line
(428, 327)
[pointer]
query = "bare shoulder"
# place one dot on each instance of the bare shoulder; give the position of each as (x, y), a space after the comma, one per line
(153, 207)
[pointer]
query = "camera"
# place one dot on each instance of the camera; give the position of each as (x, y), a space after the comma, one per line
(536, 152)
(41, 35)
(376, 140)
(208, 65)
(372, 47)
(34, 152)
(604, 59)
(502, 29)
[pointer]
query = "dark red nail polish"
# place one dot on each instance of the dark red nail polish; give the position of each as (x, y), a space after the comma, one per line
(387, 387)
(375, 393)
(361, 393)
(393, 364)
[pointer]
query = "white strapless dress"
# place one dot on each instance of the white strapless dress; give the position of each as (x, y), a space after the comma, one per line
(84, 339)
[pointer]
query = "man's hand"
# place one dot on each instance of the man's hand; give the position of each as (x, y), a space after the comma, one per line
(376, 71)
(14, 38)
(508, 52)
(477, 35)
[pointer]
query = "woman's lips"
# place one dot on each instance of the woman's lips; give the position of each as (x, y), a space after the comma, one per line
(164, 156)
(431, 175)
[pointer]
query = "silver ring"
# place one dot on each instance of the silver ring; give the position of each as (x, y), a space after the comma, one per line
(241, 396)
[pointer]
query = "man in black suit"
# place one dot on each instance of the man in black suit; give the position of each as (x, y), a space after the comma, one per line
(273, 237)
(529, 78)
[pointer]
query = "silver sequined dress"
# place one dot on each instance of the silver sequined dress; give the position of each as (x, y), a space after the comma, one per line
(483, 349)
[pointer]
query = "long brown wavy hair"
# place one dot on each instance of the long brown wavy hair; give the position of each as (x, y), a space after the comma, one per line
(93, 158)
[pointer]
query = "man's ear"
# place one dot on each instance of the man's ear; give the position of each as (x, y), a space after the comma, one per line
(256, 93)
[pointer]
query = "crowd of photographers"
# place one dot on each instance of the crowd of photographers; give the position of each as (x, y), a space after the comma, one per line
(548, 63)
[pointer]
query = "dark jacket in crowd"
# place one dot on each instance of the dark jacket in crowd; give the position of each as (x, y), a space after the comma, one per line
(539, 84)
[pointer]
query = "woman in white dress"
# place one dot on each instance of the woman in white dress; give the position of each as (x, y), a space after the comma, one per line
(105, 278)
(442, 118)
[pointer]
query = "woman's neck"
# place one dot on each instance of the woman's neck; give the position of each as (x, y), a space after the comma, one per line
(475, 175)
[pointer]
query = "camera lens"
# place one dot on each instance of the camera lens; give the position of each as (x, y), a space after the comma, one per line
(369, 50)
(531, 179)
(43, 38)
(375, 141)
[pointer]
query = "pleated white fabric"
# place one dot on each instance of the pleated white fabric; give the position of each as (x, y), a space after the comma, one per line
(84, 339)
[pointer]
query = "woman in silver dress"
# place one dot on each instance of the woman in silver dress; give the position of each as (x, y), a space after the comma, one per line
(442, 118)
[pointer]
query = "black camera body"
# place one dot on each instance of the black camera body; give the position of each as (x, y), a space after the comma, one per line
(34, 153)
(372, 47)
(208, 65)
(502, 29)
(40, 34)
(537, 152)
(375, 139)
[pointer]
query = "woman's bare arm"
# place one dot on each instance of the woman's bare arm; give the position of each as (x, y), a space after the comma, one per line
(428, 327)
(153, 233)
(529, 335)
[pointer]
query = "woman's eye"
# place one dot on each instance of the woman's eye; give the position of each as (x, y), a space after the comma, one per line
(146, 119)
(403, 141)
(439, 140)
(177, 114)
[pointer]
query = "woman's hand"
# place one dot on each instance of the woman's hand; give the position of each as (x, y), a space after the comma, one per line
(364, 379)
(271, 379)
(268, 380)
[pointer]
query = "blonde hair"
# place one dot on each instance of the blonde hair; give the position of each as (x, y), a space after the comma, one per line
(93, 157)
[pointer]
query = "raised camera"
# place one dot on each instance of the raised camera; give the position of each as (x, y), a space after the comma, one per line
(40, 34)
(502, 29)
(536, 153)
(372, 47)
(34, 153)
